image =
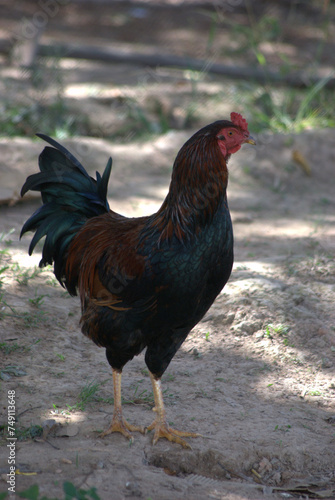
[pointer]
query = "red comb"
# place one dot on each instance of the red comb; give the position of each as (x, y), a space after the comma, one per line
(239, 121)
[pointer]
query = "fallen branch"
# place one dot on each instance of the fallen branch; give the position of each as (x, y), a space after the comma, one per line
(16, 198)
(124, 56)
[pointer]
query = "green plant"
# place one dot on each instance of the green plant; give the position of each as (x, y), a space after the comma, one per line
(4, 254)
(34, 319)
(37, 301)
(31, 432)
(86, 396)
(283, 428)
(69, 489)
(57, 411)
(141, 397)
(270, 107)
(4, 240)
(3, 313)
(22, 277)
(55, 119)
(9, 348)
(291, 110)
(52, 281)
(279, 329)
(249, 37)
(2, 271)
(315, 393)
(144, 396)
(215, 18)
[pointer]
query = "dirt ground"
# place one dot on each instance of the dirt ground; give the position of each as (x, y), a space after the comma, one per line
(255, 377)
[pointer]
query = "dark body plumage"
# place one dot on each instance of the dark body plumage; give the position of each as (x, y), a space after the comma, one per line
(162, 299)
(143, 282)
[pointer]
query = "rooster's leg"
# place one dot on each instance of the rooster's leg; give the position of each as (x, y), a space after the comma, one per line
(160, 425)
(119, 424)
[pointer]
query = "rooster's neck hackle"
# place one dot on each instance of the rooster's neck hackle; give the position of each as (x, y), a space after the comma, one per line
(197, 190)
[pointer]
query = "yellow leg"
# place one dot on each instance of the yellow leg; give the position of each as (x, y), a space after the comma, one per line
(119, 424)
(162, 430)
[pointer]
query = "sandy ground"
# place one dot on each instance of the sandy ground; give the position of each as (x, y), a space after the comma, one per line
(255, 377)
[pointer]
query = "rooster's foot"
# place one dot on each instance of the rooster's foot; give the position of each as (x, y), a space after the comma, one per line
(119, 424)
(162, 430)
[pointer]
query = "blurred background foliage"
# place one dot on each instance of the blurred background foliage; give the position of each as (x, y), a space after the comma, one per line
(63, 95)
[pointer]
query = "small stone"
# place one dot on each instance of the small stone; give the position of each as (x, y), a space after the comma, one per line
(259, 335)
(264, 465)
(49, 425)
(276, 478)
(326, 363)
(248, 327)
(297, 299)
(68, 430)
(133, 488)
(322, 331)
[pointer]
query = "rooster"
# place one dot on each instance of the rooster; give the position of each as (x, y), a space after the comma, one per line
(143, 282)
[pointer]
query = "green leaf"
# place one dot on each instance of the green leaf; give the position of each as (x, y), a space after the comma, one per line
(310, 95)
(70, 490)
(31, 493)
(261, 58)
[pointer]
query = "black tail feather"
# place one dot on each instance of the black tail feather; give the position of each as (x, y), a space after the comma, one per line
(70, 197)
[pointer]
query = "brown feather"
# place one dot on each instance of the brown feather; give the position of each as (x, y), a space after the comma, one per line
(107, 236)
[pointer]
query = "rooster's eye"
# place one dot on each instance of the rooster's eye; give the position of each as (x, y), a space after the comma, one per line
(230, 133)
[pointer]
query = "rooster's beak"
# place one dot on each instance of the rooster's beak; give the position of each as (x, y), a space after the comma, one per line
(250, 140)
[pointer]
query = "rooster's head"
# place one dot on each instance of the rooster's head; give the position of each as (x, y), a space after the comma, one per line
(233, 134)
